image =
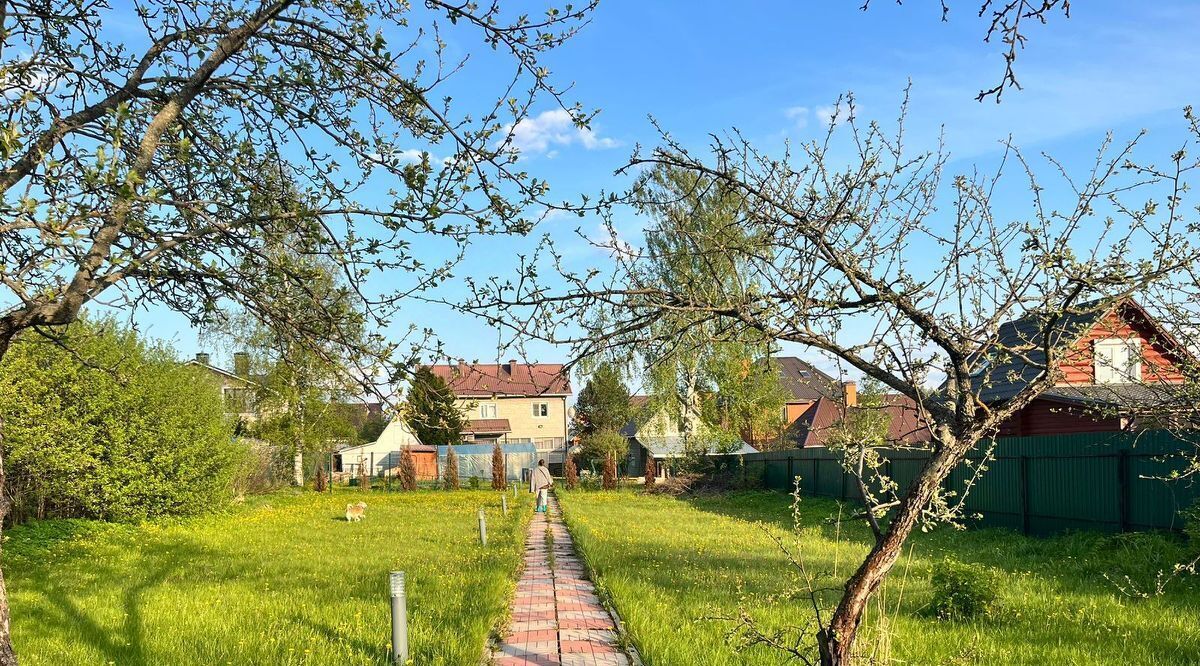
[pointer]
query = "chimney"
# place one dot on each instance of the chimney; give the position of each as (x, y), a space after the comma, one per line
(241, 364)
(850, 392)
(461, 368)
(204, 358)
(512, 365)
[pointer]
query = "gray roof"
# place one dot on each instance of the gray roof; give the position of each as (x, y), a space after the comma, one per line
(1015, 357)
(672, 447)
(1125, 395)
(803, 380)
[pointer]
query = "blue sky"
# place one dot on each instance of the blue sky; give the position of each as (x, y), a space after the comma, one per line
(772, 69)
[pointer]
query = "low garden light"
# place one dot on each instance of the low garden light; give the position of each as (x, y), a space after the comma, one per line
(399, 618)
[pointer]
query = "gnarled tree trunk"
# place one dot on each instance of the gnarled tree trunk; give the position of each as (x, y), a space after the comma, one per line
(7, 656)
(836, 641)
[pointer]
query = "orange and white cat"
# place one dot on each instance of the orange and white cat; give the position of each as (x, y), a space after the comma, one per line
(355, 512)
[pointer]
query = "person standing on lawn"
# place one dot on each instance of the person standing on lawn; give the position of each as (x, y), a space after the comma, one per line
(540, 482)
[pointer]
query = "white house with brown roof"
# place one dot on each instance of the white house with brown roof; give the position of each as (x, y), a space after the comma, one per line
(512, 403)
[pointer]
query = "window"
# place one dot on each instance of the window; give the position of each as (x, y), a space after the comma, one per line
(487, 410)
(541, 410)
(1117, 360)
(238, 400)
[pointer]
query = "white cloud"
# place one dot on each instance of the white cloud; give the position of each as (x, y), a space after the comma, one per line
(539, 134)
(826, 114)
(410, 155)
(798, 115)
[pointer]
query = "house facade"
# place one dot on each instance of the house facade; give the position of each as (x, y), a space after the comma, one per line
(655, 434)
(512, 403)
(383, 455)
(239, 391)
(1123, 371)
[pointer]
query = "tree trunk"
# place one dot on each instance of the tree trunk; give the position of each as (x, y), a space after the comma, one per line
(298, 458)
(836, 642)
(298, 467)
(7, 656)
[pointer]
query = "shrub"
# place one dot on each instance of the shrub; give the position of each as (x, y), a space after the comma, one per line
(115, 429)
(964, 591)
(474, 482)
(261, 469)
(610, 472)
(499, 471)
(408, 470)
(601, 445)
(651, 469)
(571, 472)
(450, 474)
(320, 482)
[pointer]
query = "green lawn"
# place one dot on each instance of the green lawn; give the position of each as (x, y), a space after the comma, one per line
(668, 564)
(283, 580)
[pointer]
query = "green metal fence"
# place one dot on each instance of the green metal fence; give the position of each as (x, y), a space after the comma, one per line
(1039, 485)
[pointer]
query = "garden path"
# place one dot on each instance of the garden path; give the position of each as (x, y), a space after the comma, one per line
(557, 619)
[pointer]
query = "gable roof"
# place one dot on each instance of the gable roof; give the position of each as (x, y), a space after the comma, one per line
(802, 380)
(256, 380)
(1002, 374)
(512, 379)
(816, 425)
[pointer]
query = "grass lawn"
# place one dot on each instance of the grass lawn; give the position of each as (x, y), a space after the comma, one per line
(282, 580)
(668, 564)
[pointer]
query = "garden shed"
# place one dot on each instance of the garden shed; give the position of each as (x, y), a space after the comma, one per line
(382, 456)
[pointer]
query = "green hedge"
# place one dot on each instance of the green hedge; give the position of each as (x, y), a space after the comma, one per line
(107, 425)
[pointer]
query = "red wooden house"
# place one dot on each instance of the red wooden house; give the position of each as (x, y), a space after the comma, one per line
(1123, 371)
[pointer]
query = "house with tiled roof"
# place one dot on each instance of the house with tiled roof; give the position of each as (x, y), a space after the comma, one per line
(1122, 370)
(804, 384)
(820, 422)
(512, 403)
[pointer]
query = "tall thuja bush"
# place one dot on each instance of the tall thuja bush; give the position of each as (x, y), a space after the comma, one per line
(450, 475)
(610, 472)
(499, 471)
(651, 468)
(571, 472)
(116, 429)
(408, 470)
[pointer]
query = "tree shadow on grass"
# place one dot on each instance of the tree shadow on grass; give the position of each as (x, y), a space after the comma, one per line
(126, 646)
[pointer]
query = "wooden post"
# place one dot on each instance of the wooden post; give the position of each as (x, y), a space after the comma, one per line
(1024, 494)
(1123, 489)
(330, 476)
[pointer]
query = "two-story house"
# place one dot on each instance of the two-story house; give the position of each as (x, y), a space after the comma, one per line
(513, 403)
(238, 388)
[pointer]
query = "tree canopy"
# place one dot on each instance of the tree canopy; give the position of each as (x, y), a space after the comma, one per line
(432, 410)
(603, 403)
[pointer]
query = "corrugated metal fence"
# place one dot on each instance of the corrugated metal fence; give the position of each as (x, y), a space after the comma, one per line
(1039, 485)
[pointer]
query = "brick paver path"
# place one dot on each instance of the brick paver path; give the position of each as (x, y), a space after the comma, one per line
(556, 616)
